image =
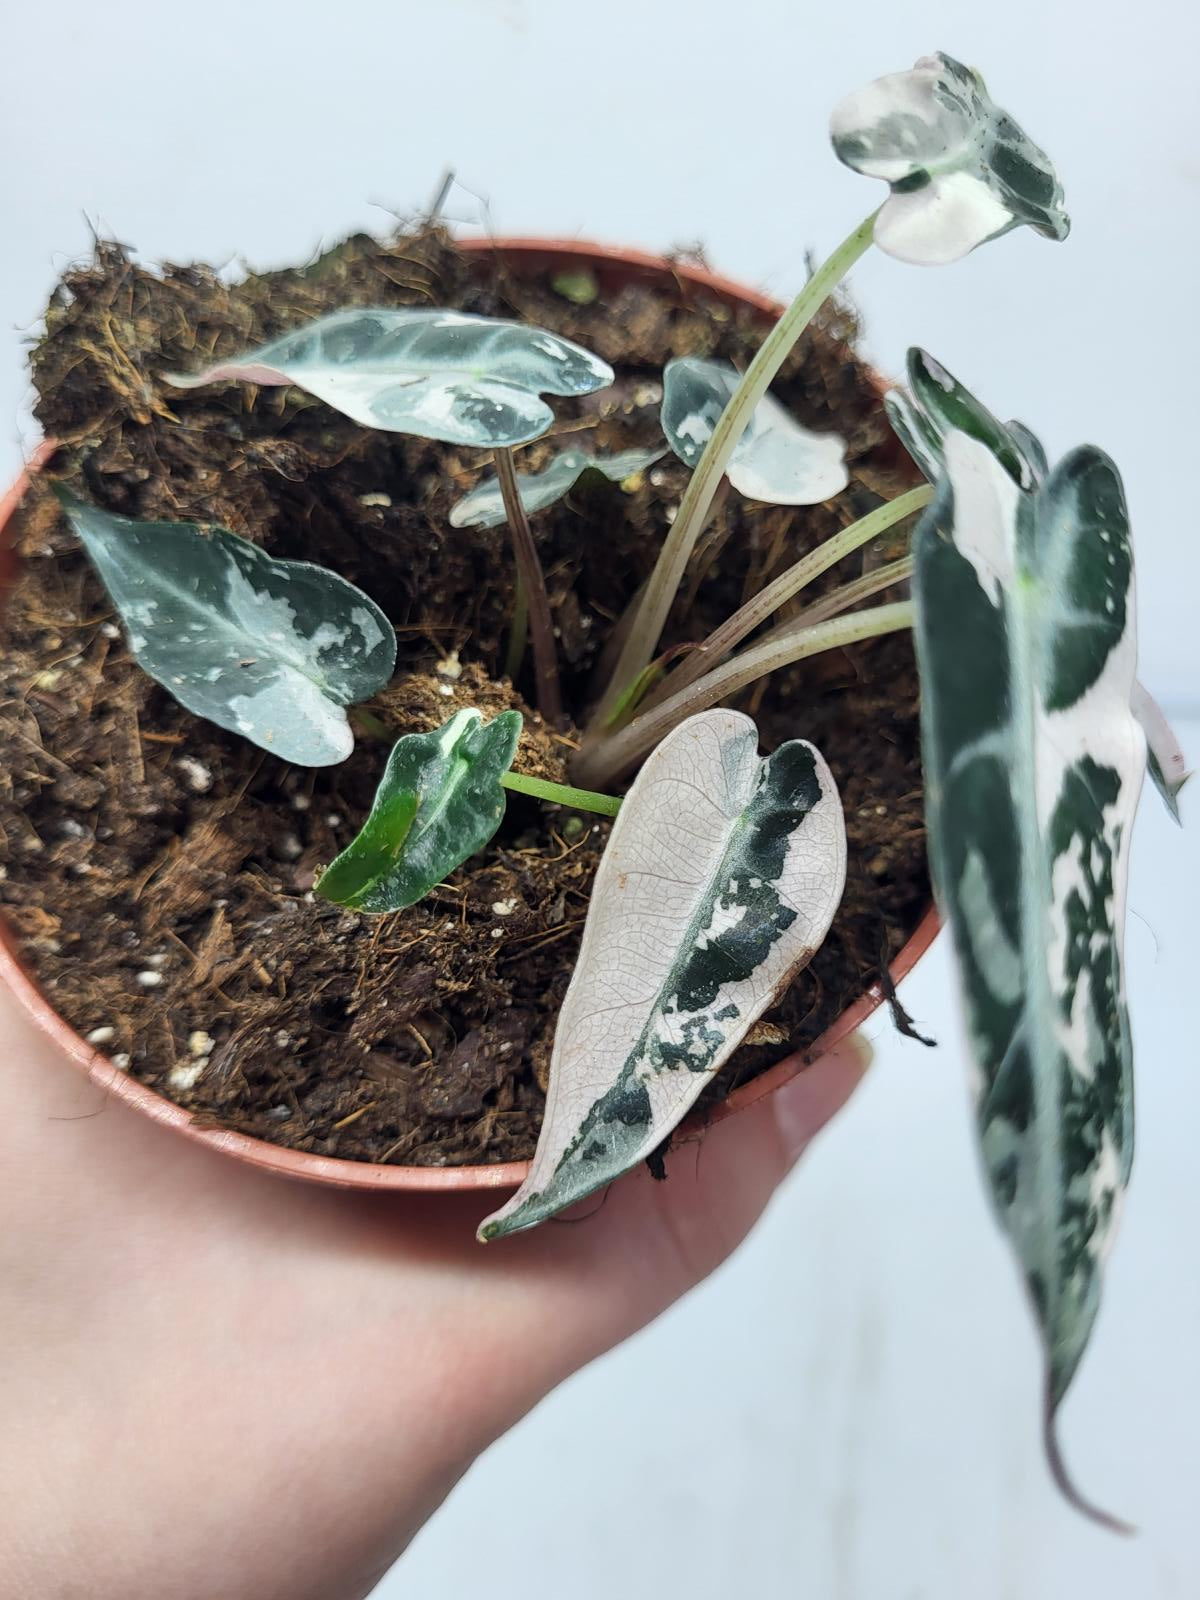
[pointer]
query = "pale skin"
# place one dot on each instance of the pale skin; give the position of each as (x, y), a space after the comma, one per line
(218, 1382)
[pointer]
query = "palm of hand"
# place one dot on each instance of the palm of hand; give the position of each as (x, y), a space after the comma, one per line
(221, 1383)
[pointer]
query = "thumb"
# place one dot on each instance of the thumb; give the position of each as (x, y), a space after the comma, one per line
(615, 1263)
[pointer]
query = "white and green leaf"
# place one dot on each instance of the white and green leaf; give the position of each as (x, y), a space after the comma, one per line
(776, 459)
(438, 374)
(937, 404)
(273, 650)
(483, 507)
(718, 884)
(961, 171)
(1034, 760)
(440, 800)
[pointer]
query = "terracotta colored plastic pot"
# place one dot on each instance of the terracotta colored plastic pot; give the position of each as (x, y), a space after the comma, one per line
(614, 269)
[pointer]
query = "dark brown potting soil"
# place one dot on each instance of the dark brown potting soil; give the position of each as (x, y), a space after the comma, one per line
(159, 870)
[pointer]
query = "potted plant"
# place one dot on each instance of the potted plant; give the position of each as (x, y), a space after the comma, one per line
(270, 637)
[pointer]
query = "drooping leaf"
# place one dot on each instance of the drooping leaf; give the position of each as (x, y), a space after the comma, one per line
(776, 459)
(273, 650)
(439, 801)
(939, 403)
(719, 882)
(961, 171)
(1033, 761)
(437, 374)
(483, 507)
(1165, 760)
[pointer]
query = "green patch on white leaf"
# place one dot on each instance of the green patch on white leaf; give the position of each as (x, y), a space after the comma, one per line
(483, 507)
(438, 374)
(439, 801)
(719, 882)
(1033, 762)
(776, 459)
(273, 650)
(961, 171)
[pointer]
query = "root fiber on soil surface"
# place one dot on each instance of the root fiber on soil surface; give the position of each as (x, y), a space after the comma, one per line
(159, 870)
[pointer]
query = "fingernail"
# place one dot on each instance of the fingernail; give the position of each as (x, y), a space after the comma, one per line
(803, 1106)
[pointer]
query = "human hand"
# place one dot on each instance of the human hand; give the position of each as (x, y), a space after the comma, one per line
(218, 1383)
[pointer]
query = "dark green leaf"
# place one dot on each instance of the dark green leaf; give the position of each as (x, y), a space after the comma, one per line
(440, 800)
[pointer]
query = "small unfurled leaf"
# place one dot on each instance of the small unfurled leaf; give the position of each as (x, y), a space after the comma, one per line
(273, 650)
(776, 459)
(580, 288)
(439, 801)
(1165, 760)
(1033, 763)
(437, 374)
(719, 882)
(484, 506)
(961, 170)
(939, 403)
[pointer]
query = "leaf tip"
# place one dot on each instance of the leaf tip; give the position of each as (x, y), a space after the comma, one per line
(1062, 1477)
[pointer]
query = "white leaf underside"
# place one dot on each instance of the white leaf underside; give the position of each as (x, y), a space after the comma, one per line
(684, 947)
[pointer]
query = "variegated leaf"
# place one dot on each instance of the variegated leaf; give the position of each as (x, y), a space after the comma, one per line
(961, 171)
(439, 801)
(437, 374)
(719, 882)
(273, 650)
(484, 506)
(776, 459)
(1033, 760)
(1165, 760)
(939, 403)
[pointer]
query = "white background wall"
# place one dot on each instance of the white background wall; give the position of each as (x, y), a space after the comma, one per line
(849, 1410)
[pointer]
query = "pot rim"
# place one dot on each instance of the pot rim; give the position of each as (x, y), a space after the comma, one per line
(337, 1171)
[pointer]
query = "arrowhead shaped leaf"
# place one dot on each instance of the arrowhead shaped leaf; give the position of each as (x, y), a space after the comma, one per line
(439, 801)
(1033, 759)
(437, 374)
(484, 506)
(776, 459)
(273, 650)
(719, 882)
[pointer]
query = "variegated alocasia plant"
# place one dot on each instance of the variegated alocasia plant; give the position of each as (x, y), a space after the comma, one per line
(1034, 761)
(719, 882)
(775, 460)
(444, 375)
(273, 650)
(484, 506)
(935, 405)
